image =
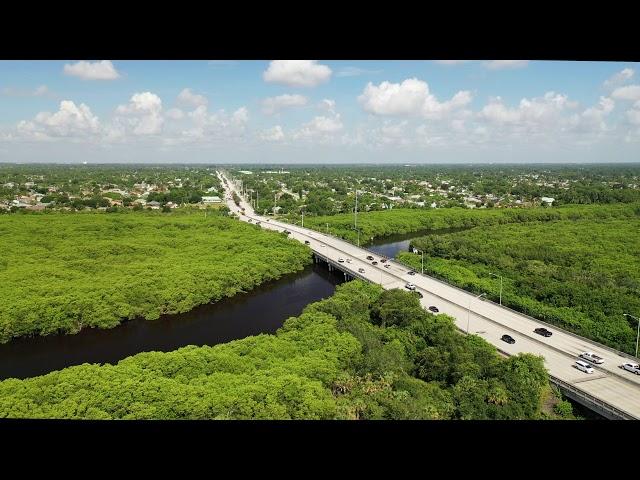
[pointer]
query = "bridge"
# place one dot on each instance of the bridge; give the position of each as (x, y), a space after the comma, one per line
(610, 391)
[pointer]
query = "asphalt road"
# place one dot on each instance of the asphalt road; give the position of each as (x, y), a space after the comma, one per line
(608, 383)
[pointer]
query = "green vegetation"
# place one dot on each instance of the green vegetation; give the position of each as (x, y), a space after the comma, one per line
(64, 272)
(374, 224)
(334, 361)
(581, 275)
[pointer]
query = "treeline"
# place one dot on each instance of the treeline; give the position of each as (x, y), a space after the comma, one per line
(61, 272)
(378, 224)
(360, 354)
(581, 275)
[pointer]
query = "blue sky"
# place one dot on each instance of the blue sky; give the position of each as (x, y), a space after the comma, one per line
(319, 111)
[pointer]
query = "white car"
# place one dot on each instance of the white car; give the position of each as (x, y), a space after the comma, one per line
(632, 367)
(583, 366)
(322, 245)
(386, 265)
(361, 270)
(410, 286)
(592, 357)
(348, 260)
(341, 260)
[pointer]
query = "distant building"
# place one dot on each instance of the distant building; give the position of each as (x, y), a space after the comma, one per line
(548, 200)
(213, 199)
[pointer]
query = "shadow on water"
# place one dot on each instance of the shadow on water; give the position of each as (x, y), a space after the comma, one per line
(262, 310)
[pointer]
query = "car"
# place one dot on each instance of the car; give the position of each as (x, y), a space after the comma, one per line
(508, 338)
(341, 260)
(543, 331)
(592, 357)
(307, 242)
(583, 366)
(631, 367)
(411, 272)
(382, 260)
(348, 260)
(322, 245)
(419, 294)
(410, 286)
(361, 270)
(433, 309)
(374, 263)
(369, 257)
(287, 232)
(250, 220)
(387, 265)
(257, 223)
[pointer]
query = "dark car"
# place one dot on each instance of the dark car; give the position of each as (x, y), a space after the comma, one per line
(307, 242)
(382, 260)
(369, 257)
(508, 339)
(257, 223)
(287, 232)
(543, 331)
(374, 263)
(420, 295)
(434, 309)
(411, 272)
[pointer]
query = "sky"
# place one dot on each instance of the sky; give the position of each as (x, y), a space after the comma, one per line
(319, 111)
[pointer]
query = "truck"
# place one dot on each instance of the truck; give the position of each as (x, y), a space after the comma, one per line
(592, 357)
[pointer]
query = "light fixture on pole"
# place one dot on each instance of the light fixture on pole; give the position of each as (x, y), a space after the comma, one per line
(469, 309)
(500, 276)
(638, 334)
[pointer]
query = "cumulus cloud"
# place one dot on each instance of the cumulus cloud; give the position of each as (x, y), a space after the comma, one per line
(174, 114)
(629, 92)
(70, 120)
(273, 105)
(503, 64)
(274, 134)
(103, 70)
(187, 98)
(411, 97)
(540, 110)
(619, 78)
(297, 73)
(328, 105)
(320, 128)
(211, 126)
(145, 112)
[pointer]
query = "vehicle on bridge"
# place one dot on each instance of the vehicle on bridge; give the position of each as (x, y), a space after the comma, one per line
(410, 286)
(348, 260)
(307, 242)
(631, 367)
(592, 357)
(374, 263)
(286, 231)
(387, 266)
(543, 331)
(361, 270)
(508, 338)
(433, 309)
(383, 260)
(257, 223)
(322, 245)
(418, 294)
(341, 260)
(369, 257)
(411, 272)
(583, 366)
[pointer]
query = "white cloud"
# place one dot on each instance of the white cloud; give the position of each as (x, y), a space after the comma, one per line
(145, 110)
(619, 78)
(320, 128)
(502, 64)
(411, 97)
(273, 105)
(274, 134)
(103, 70)
(297, 73)
(187, 98)
(355, 71)
(535, 111)
(70, 120)
(629, 92)
(209, 127)
(328, 105)
(174, 114)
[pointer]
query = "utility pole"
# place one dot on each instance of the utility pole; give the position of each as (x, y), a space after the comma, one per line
(327, 229)
(356, 213)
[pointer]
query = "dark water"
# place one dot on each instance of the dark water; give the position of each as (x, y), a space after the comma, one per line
(390, 245)
(262, 310)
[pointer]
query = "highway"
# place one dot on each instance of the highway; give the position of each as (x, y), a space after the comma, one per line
(609, 384)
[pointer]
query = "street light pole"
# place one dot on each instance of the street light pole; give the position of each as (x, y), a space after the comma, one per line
(500, 286)
(638, 334)
(327, 229)
(469, 309)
